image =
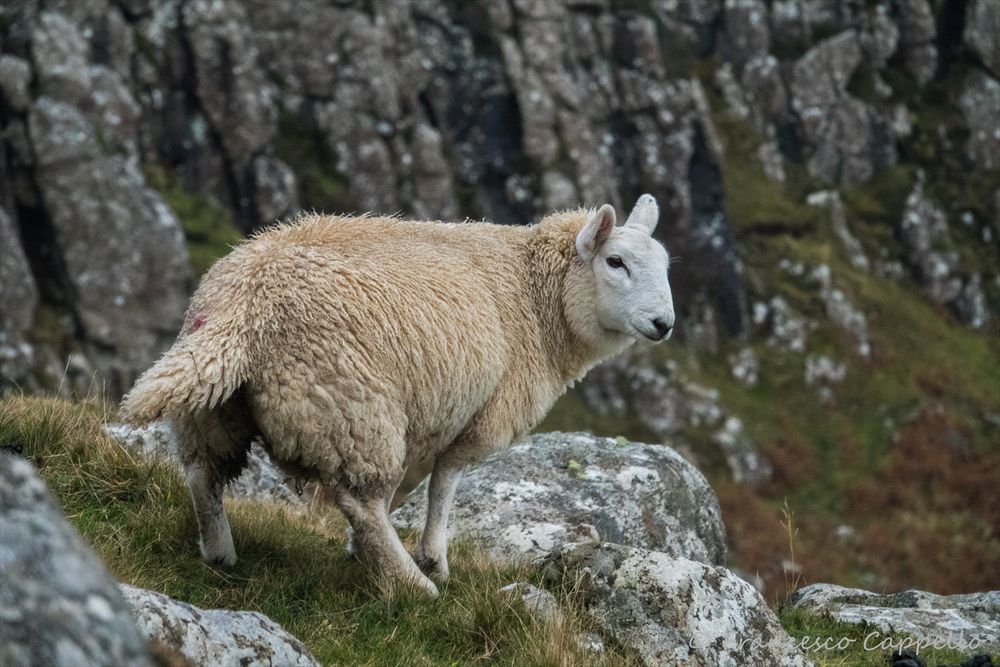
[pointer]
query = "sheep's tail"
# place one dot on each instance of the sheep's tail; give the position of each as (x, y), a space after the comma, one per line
(200, 371)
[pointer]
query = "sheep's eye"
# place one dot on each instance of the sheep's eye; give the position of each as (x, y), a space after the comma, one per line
(615, 262)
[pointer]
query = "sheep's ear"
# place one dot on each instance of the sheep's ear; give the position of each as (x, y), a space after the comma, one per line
(644, 215)
(595, 232)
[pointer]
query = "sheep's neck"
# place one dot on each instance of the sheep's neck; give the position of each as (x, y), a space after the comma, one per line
(550, 259)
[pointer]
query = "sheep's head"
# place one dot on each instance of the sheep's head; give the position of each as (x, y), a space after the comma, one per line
(626, 269)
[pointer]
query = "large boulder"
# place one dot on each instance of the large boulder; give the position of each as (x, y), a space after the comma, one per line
(673, 611)
(555, 488)
(970, 621)
(215, 636)
(59, 606)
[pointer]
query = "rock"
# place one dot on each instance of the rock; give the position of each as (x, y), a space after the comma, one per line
(924, 232)
(838, 219)
(673, 611)
(275, 194)
(15, 76)
(59, 53)
(18, 301)
(971, 621)
(260, 479)
(554, 488)
(841, 311)
(123, 249)
(215, 636)
(539, 602)
(60, 606)
(979, 101)
(917, 34)
(846, 137)
(230, 85)
(982, 36)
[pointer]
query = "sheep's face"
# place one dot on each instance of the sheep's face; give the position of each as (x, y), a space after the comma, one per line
(631, 289)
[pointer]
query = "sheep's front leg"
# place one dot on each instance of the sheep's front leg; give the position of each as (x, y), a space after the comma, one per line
(432, 553)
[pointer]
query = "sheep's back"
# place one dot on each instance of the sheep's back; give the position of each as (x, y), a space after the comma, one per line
(409, 317)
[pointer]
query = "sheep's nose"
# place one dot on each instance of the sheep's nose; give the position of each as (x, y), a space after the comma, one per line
(663, 327)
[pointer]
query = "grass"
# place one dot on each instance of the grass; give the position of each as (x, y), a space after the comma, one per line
(136, 514)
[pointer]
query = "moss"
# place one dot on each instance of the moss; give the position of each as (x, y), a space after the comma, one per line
(302, 145)
(208, 226)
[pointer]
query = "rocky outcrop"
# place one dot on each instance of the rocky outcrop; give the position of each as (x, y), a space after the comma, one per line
(556, 488)
(215, 636)
(674, 408)
(61, 607)
(935, 261)
(498, 110)
(968, 622)
(673, 611)
(845, 136)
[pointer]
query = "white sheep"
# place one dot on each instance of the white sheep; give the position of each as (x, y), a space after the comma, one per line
(361, 348)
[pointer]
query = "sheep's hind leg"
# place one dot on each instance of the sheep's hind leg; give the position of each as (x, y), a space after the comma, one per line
(378, 539)
(432, 553)
(213, 449)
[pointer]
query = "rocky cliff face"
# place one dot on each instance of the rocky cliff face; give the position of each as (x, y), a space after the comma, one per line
(828, 174)
(502, 110)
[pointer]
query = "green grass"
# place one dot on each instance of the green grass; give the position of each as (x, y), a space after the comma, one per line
(136, 514)
(208, 226)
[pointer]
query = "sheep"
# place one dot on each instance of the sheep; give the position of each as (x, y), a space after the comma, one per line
(367, 351)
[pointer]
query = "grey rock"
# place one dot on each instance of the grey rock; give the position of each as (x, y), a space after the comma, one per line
(674, 611)
(275, 189)
(215, 636)
(971, 303)
(979, 102)
(747, 34)
(555, 488)
(845, 135)
(18, 301)
(971, 621)
(982, 33)
(671, 406)
(432, 180)
(60, 606)
(917, 35)
(229, 82)
(15, 75)
(924, 231)
(838, 220)
(123, 249)
(539, 602)
(59, 53)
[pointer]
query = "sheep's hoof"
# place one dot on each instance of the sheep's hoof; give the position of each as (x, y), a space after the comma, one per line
(433, 568)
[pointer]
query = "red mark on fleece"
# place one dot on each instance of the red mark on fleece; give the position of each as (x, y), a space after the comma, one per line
(199, 322)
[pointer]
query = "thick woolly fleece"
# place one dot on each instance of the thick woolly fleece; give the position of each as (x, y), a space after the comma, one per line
(361, 346)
